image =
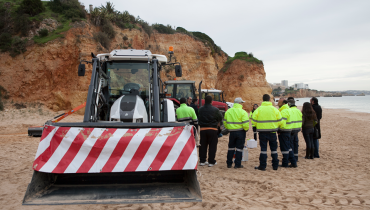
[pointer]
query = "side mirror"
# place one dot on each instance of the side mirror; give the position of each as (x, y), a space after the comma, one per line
(178, 71)
(81, 70)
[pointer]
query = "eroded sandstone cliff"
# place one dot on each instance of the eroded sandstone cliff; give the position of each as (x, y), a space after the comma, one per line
(48, 73)
(246, 80)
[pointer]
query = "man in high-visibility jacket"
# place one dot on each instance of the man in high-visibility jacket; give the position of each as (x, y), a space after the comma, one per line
(267, 120)
(284, 133)
(236, 120)
(296, 124)
(186, 114)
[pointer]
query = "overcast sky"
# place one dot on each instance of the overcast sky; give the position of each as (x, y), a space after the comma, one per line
(324, 43)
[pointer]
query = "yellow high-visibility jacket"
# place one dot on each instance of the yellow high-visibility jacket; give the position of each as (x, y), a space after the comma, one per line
(286, 123)
(236, 119)
(250, 117)
(266, 118)
(296, 118)
(186, 114)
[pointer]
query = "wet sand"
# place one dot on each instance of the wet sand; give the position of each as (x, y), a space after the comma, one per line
(340, 179)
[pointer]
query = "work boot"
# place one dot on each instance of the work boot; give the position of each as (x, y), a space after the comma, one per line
(259, 168)
(312, 151)
(241, 166)
(307, 153)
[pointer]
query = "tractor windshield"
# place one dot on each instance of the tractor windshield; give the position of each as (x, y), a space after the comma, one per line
(127, 76)
(215, 96)
(179, 91)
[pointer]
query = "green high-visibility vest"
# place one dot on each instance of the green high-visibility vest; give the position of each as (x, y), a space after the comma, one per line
(186, 114)
(266, 118)
(296, 118)
(286, 123)
(236, 119)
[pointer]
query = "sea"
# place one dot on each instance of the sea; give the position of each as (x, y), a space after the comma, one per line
(352, 103)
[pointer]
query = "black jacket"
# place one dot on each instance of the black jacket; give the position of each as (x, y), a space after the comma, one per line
(209, 116)
(318, 111)
(192, 105)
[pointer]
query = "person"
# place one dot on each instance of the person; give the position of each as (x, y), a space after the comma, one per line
(309, 120)
(296, 124)
(194, 106)
(209, 119)
(267, 119)
(186, 114)
(255, 106)
(188, 101)
(284, 135)
(236, 120)
(318, 111)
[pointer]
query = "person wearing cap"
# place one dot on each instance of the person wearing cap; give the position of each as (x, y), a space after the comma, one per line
(236, 121)
(284, 133)
(267, 120)
(296, 124)
(209, 119)
(255, 106)
(186, 114)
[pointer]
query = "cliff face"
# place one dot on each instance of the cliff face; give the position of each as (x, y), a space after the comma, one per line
(246, 80)
(48, 73)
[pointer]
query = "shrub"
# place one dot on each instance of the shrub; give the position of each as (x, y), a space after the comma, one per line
(31, 7)
(148, 29)
(5, 42)
(103, 39)
(205, 38)
(18, 46)
(163, 29)
(184, 31)
(70, 8)
(6, 22)
(107, 28)
(43, 32)
(22, 24)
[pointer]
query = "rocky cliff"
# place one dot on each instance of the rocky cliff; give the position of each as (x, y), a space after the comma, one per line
(48, 73)
(244, 79)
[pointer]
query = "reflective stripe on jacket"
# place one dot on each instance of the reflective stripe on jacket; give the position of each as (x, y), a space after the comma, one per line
(186, 114)
(296, 118)
(236, 119)
(266, 118)
(286, 123)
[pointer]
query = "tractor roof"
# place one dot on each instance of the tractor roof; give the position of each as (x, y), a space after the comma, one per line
(131, 54)
(211, 91)
(179, 82)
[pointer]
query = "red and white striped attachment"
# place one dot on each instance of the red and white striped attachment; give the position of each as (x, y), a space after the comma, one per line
(101, 150)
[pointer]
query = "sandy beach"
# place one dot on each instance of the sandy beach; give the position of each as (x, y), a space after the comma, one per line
(340, 179)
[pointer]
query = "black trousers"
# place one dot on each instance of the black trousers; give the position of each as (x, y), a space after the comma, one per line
(208, 139)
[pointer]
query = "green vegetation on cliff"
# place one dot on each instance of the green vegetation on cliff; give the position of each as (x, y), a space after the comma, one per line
(241, 56)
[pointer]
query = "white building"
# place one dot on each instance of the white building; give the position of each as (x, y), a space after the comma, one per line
(284, 83)
(298, 86)
(306, 86)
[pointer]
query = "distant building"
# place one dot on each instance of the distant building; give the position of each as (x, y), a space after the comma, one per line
(298, 86)
(306, 86)
(284, 83)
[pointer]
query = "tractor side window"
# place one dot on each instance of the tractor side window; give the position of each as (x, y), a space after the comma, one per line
(170, 89)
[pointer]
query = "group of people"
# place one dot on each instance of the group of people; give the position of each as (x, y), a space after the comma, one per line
(271, 124)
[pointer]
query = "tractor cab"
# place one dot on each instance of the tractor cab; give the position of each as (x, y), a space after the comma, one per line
(217, 95)
(177, 89)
